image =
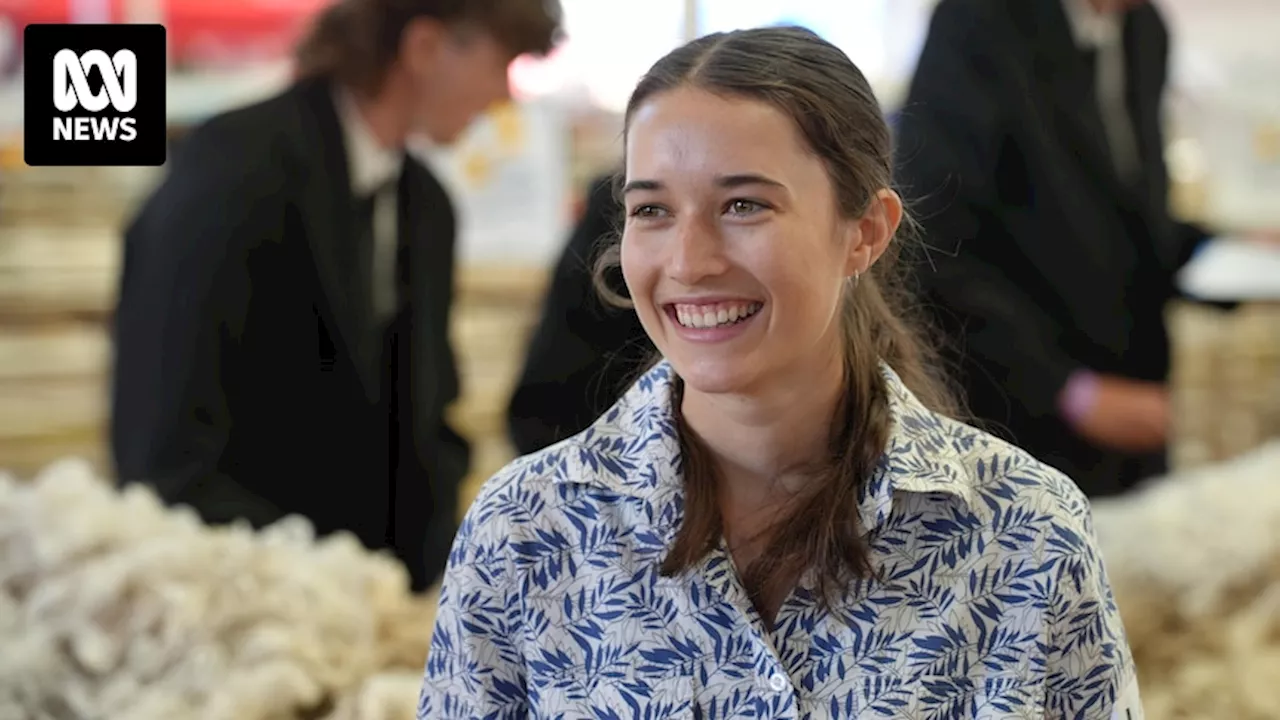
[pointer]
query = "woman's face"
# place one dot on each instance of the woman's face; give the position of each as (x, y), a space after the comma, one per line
(733, 250)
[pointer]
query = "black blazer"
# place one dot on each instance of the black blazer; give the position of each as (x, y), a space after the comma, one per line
(584, 354)
(250, 381)
(1041, 259)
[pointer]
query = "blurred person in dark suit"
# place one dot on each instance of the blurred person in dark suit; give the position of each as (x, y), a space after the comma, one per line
(282, 330)
(583, 354)
(1031, 143)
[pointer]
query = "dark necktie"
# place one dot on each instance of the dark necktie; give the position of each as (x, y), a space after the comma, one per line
(1089, 55)
(362, 213)
(361, 280)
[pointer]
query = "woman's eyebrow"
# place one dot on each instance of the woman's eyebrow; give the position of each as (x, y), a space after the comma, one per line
(724, 181)
(637, 185)
(740, 179)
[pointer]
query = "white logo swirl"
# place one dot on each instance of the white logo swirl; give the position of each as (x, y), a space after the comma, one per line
(119, 80)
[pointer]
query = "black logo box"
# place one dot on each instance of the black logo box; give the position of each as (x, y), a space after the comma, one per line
(41, 43)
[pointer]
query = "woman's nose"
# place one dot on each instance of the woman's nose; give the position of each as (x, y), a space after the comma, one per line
(697, 252)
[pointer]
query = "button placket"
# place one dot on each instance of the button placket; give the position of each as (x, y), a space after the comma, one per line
(722, 574)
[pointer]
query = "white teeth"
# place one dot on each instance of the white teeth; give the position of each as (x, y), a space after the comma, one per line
(699, 316)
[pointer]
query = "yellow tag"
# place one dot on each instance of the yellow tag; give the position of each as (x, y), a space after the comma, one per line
(476, 169)
(509, 127)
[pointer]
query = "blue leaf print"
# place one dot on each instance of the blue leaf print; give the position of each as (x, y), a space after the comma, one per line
(990, 594)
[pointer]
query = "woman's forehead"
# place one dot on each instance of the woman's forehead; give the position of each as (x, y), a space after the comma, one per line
(692, 132)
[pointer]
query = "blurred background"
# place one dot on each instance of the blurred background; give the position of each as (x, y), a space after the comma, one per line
(518, 179)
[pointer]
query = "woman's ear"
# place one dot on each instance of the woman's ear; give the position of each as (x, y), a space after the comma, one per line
(875, 230)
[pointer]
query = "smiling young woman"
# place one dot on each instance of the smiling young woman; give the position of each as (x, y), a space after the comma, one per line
(782, 518)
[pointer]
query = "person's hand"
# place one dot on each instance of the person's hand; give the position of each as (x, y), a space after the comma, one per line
(1126, 415)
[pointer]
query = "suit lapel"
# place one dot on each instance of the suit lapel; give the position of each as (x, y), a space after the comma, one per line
(1080, 119)
(426, 231)
(1072, 92)
(1146, 47)
(327, 214)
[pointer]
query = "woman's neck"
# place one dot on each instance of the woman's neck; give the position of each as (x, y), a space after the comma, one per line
(766, 435)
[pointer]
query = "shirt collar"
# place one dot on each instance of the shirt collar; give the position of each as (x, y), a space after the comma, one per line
(1090, 28)
(370, 165)
(642, 425)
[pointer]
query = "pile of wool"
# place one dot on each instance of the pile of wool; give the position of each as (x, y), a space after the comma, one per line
(1195, 562)
(112, 606)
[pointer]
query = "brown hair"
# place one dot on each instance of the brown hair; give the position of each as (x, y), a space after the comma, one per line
(357, 40)
(832, 104)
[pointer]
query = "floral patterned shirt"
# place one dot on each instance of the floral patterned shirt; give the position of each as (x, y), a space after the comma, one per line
(993, 601)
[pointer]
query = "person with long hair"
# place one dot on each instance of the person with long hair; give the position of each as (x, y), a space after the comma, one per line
(782, 517)
(282, 340)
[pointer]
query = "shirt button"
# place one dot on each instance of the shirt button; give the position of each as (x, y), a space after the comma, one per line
(779, 682)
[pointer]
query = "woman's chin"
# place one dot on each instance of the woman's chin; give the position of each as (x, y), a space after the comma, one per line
(714, 376)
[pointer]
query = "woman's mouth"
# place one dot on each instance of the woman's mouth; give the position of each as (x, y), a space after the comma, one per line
(713, 315)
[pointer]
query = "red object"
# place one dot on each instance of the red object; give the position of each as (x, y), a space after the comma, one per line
(201, 32)
(217, 32)
(25, 12)
(17, 14)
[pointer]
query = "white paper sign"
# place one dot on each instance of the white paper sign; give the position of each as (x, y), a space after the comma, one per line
(1241, 138)
(509, 180)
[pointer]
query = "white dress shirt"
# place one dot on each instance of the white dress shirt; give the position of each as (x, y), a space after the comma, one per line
(374, 169)
(1104, 33)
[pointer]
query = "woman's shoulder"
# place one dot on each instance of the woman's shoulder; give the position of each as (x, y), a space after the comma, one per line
(1003, 481)
(990, 458)
(997, 480)
(929, 452)
(627, 456)
(525, 479)
(957, 489)
(533, 471)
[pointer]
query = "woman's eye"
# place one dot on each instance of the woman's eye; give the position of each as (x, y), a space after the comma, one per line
(646, 211)
(744, 207)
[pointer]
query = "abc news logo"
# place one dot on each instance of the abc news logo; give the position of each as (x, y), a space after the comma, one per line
(71, 90)
(94, 95)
